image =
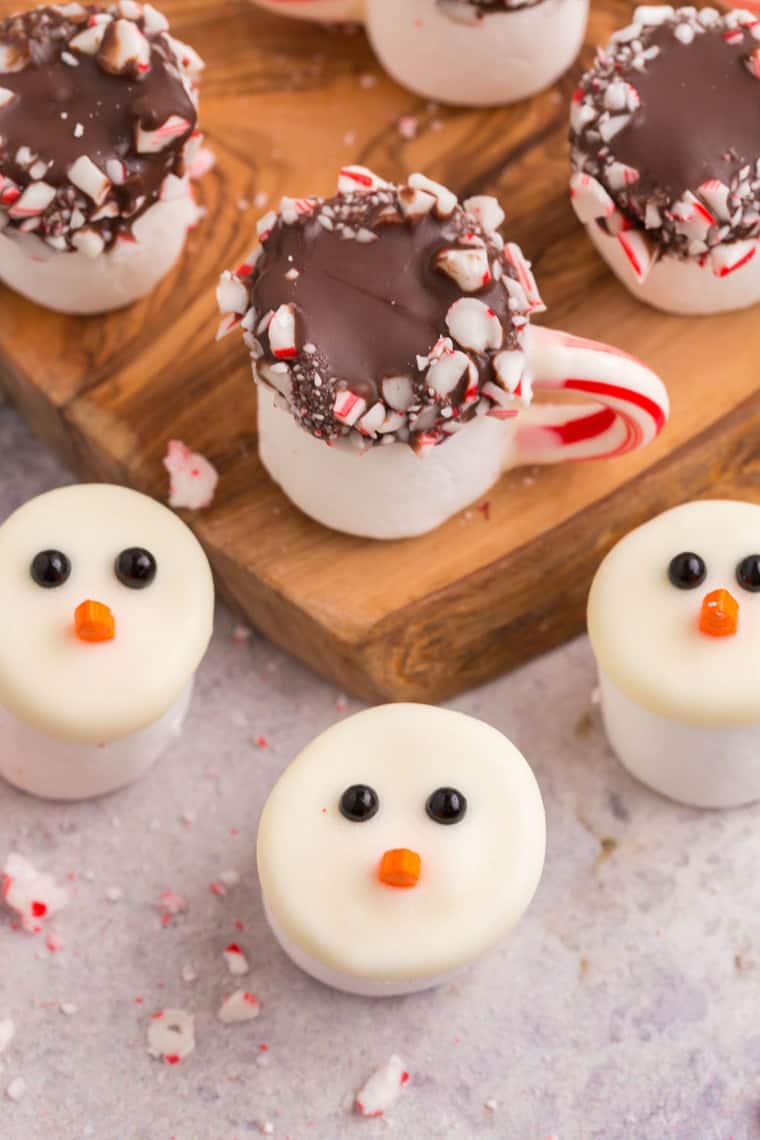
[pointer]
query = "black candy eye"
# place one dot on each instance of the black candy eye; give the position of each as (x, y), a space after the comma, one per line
(359, 803)
(748, 573)
(50, 568)
(446, 806)
(687, 571)
(135, 568)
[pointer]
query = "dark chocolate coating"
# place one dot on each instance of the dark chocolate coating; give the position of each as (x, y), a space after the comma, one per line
(107, 106)
(699, 115)
(370, 309)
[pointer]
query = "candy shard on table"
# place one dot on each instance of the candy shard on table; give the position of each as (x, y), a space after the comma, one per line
(193, 479)
(674, 621)
(383, 1088)
(95, 581)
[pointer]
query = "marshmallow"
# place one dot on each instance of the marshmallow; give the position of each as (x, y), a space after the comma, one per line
(96, 581)
(457, 52)
(386, 409)
(674, 211)
(75, 282)
(674, 621)
(401, 845)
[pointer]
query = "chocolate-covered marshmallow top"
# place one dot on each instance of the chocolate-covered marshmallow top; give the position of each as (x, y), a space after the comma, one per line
(97, 107)
(666, 126)
(385, 313)
(473, 11)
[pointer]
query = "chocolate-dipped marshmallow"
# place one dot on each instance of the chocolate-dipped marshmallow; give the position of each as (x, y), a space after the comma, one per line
(400, 845)
(98, 125)
(674, 620)
(476, 52)
(390, 323)
(106, 607)
(666, 157)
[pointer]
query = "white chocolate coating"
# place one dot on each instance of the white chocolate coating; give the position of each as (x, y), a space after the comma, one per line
(320, 10)
(682, 287)
(705, 766)
(68, 770)
(504, 57)
(319, 871)
(645, 632)
(96, 693)
(74, 283)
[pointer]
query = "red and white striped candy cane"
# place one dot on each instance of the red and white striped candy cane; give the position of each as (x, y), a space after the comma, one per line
(629, 409)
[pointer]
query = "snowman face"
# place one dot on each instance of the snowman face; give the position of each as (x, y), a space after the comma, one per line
(106, 608)
(402, 843)
(326, 10)
(674, 613)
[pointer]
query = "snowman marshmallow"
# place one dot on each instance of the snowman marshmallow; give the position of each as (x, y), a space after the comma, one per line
(106, 608)
(398, 847)
(674, 621)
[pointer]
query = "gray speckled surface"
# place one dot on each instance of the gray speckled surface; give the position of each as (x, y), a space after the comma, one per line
(623, 1008)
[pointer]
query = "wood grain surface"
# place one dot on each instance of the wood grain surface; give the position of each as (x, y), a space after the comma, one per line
(284, 104)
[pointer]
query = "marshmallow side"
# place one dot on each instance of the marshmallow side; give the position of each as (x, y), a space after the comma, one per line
(502, 58)
(387, 492)
(704, 766)
(685, 286)
(73, 282)
(69, 770)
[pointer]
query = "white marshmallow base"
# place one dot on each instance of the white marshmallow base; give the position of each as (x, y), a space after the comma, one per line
(704, 766)
(70, 770)
(350, 983)
(502, 58)
(682, 287)
(80, 285)
(387, 492)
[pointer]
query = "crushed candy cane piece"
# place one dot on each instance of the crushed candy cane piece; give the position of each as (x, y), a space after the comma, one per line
(239, 1006)
(237, 963)
(639, 250)
(16, 1090)
(485, 210)
(193, 478)
(7, 1033)
(383, 1088)
(474, 325)
(469, 268)
(171, 1035)
(446, 200)
(727, 259)
(34, 895)
(353, 178)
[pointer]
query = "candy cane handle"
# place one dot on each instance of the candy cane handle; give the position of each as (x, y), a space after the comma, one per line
(628, 409)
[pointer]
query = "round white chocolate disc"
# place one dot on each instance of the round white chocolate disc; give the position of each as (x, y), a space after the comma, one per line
(319, 871)
(95, 692)
(646, 632)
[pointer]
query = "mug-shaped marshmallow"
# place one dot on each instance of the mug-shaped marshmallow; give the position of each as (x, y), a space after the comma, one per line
(106, 607)
(98, 121)
(666, 158)
(400, 845)
(325, 11)
(476, 52)
(674, 621)
(388, 331)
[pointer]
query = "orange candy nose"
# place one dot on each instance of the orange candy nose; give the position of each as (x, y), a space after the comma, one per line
(94, 622)
(400, 868)
(720, 614)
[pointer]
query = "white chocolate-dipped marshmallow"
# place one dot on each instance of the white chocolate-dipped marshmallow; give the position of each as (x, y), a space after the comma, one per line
(476, 52)
(674, 210)
(400, 845)
(106, 605)
(388, 329)
(98, 114)
(674, 621)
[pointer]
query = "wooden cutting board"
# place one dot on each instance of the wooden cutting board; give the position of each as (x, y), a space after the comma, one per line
(284, 105)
